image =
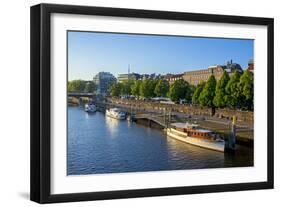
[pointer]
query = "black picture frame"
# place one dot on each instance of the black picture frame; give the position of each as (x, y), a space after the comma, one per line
(41, 97)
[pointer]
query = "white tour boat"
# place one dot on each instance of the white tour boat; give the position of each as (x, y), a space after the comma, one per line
(90, 108)
(191, 134)
(115, 113)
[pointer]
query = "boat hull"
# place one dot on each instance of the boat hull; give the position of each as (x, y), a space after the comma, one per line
(207, 144)
(90, 108)
(119, 117)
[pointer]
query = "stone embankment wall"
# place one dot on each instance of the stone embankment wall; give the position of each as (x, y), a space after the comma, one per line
(244, 116)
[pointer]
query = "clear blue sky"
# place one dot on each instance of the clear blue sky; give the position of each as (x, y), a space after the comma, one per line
(91, 52)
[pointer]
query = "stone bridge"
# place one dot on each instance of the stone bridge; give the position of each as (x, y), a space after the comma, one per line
(80, 94)
(159, 119)
(77, 98)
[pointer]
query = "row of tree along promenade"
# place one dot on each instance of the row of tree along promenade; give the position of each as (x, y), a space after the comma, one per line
(235, 92)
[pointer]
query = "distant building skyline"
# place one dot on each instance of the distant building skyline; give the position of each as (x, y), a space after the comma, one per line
(92, 52)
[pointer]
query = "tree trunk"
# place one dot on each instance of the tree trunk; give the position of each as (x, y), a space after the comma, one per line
(213, 110)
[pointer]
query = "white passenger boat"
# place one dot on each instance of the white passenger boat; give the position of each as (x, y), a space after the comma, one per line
(90, 108)
(192, 134)
(115, 113)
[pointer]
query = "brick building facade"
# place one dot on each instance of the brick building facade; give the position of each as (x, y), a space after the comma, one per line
(196, 76)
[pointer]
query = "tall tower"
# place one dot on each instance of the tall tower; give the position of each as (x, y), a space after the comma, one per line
(129, 69)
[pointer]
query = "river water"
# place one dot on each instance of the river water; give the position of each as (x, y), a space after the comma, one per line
(99, 144)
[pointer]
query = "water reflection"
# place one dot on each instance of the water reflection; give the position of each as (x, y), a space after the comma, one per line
(99, 144)
(88, 115)
(197, 157)
(112, 125)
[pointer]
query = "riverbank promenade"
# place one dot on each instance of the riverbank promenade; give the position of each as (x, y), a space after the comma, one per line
(163, 114)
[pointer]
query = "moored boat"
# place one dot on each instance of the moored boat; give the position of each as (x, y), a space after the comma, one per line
(90, 108)
(115, 113)
(192, 134)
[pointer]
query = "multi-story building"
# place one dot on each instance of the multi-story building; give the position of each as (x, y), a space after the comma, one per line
(152, 76)
(231, 67)
(145, 76)
(124, 77)
(103, 81)
(171, 78)
(196, 76)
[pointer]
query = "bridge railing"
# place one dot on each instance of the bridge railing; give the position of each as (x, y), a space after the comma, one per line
(79, 94)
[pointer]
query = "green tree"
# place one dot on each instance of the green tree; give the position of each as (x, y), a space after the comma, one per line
(115, 89)
(208, 93)
(144, 88)
(180, 89)
(147, 88)
(189, 90)
(197, 92)
(233, 93)
(192, 90)
(90, 87)
(135, 89)
(161, 88)
(126, 87)
(246, 86)
(76, 86)
(219, 99)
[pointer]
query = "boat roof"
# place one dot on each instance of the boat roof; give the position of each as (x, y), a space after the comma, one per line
(185, 125)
